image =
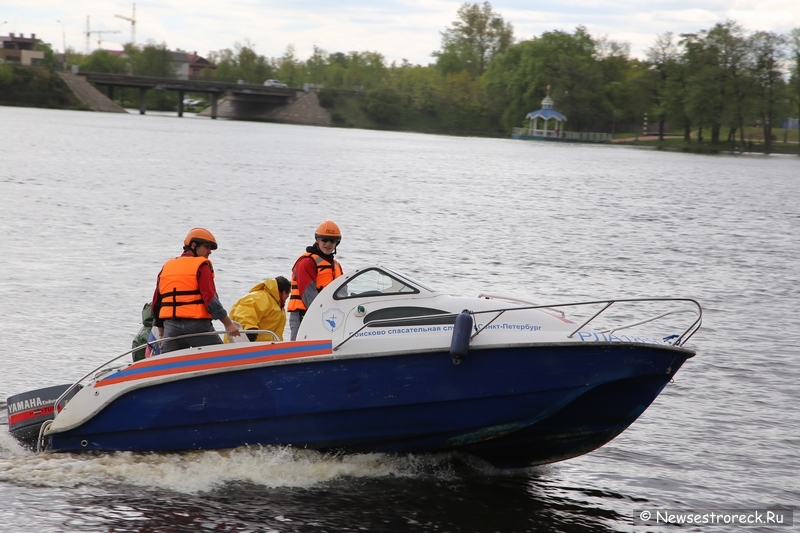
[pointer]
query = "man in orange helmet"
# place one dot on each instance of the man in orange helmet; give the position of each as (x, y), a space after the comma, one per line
(185, 300)
(312, 272)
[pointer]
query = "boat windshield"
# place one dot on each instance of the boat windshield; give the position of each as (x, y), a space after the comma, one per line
(374, 282)
(413, 281)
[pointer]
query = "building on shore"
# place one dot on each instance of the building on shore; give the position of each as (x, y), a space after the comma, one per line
(190, 66)
(200, 67)
(20, 50)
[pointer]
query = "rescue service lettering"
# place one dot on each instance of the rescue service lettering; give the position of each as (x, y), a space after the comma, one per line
(370, 333)
(400, 331)
(521, 327)
(586, 336)
(414, 330)
(31, 403)
(438, 329)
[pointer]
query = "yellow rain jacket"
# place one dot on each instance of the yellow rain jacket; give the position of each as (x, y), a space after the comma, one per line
(261, 309)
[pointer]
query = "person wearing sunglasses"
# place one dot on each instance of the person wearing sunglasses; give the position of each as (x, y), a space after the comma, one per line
(312, 272)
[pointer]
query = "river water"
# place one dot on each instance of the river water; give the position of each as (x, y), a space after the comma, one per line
(92, 204)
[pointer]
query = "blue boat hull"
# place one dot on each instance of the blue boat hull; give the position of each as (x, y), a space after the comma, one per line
(509, 406)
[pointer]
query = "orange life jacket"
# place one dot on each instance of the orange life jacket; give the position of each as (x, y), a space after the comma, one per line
(178, 290)
(326, 272)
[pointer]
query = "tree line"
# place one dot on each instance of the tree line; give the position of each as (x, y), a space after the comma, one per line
(712, 83)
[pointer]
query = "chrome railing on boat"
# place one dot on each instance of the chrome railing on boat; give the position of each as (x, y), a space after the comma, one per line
(109, 366)
(677, 339)
(518, 300)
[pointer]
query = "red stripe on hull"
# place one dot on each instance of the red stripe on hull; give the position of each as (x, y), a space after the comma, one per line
(198, 365)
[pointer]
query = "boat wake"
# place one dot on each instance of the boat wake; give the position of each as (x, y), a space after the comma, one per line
(204, 471)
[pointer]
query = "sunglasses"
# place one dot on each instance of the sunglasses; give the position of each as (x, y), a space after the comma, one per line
(328, 239)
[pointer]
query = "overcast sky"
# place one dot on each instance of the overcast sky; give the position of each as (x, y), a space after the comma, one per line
(398, 29)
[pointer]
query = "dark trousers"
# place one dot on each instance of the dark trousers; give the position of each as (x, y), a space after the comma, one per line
(175, 327)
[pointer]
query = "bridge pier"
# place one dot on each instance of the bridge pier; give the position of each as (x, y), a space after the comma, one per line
(214, 98)
(142, 100)
(180, 103)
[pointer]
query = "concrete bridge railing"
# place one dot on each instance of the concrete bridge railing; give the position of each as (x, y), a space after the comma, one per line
(245, 92)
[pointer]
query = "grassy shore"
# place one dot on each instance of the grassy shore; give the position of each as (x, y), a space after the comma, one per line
(754, 142)
(35, 87)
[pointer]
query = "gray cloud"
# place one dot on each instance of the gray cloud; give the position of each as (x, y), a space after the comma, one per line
(398, 29)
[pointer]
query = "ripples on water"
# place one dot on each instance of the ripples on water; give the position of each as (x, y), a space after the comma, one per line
(93, 204)
(268, 489)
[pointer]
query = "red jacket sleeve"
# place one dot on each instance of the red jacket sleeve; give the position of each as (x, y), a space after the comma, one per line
(306, 274)
(205, 281)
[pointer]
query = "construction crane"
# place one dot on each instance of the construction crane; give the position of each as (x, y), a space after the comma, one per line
(99, 35)
(132, 20)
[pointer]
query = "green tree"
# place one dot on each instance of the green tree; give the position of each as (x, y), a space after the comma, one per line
(615, 64)
(333, 76)
(663, 55)
(730, 39)
(768, 54)
(151, 60)
(717, 61)
(35, 87)
(154, 60)
(289, 69)
(644, 101)
(741, 81)
(255, 68)
(102, 61)
(384, 105)
(462, 99)
(227, 68)
(478, 35)
(794, 52)
(241, 63)
(366, 70)
(676, 97)
(516, 81)
(702, 97)
(6, 75)
(315, 66)
(422, 88)
(49, 57)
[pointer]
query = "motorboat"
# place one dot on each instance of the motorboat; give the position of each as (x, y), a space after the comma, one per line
(384, 363)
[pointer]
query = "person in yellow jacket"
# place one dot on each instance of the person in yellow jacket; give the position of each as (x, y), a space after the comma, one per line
(263, 308)
(185, 300)
(313, 271)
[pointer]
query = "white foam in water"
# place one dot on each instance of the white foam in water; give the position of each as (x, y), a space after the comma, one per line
(193, 472)
(9, 446)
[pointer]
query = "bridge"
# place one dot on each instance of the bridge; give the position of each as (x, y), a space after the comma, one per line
(244, 95)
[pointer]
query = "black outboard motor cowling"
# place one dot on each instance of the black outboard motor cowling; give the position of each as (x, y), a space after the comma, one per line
(29, 410)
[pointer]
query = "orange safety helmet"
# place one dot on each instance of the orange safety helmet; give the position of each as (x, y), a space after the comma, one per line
(328, 229)
(200, 236)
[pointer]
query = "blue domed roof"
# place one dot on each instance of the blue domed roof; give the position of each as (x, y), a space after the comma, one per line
(546, 112)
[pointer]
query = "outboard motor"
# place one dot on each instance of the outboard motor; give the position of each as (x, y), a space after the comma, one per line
(29, 410)
(462, 330)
